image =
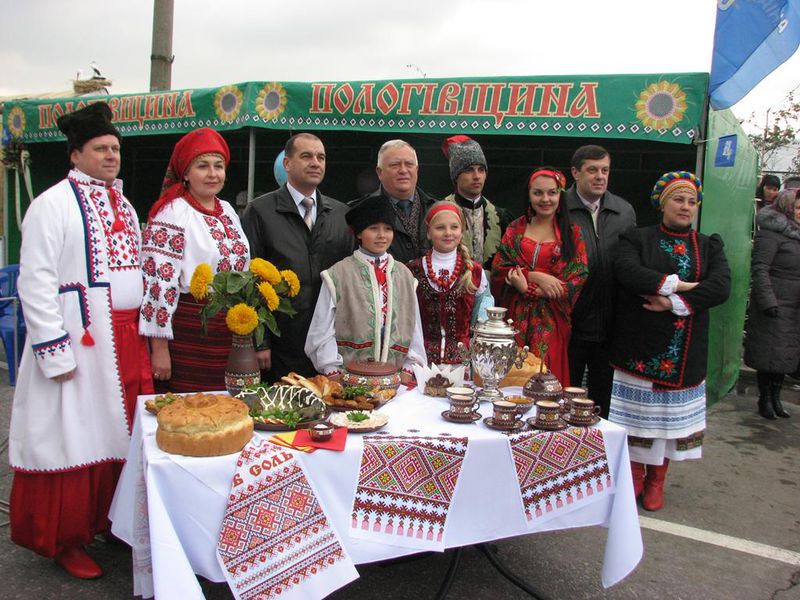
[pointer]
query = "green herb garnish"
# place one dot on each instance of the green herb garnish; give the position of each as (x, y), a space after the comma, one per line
(357, 416)
(165, 400)
(290, 418)
(355, 391)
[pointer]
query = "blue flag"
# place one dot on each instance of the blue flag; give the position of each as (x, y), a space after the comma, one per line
(752, 38)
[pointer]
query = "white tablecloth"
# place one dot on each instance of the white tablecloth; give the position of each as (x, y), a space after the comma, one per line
(169, 508)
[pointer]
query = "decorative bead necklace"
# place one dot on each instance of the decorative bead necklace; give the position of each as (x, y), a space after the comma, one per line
(444, 283)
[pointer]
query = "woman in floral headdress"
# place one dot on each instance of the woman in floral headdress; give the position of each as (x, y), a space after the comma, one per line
(669, 275)
(189, 225)
(539, 270)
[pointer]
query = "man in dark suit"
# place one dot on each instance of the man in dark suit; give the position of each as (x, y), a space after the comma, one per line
(296, 227)
(397, 171)
(602, 217)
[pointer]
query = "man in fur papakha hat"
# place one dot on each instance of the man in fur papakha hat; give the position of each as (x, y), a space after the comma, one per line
(84, 363)
(485, 221)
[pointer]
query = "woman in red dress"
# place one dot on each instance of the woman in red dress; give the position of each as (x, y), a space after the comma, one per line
(540, 269)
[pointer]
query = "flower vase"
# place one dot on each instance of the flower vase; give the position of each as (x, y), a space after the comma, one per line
(242, 368)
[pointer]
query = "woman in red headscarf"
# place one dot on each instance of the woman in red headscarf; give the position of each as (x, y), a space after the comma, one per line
(189, 225)
(539, 270)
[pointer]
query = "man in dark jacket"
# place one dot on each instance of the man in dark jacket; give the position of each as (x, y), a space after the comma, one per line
(397, 171)
(602, 217)
(298, 228)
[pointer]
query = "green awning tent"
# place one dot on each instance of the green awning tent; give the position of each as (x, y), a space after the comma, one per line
(651, 123)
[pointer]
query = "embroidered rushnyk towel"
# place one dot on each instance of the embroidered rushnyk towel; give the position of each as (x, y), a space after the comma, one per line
(275, 540)
(404, 490)
(559, 471)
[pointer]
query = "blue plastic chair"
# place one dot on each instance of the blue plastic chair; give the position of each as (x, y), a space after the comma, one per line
(12, 324)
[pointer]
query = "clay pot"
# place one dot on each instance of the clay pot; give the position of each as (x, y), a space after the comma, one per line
(372, 374)
(242, 368)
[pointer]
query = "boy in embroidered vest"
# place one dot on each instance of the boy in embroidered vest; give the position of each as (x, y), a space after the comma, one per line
(84, 363)
(453, 291)
(367, 307)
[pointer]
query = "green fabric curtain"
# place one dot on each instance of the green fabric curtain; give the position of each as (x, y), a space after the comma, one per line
(727, 209)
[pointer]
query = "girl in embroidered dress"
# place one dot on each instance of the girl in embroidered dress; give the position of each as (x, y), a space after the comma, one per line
(452, 290)
(367, 306)
(189, 225)
(539, 270)
(670, 275)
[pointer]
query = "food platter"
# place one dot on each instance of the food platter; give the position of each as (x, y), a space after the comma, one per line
(373, 423)
(284, 427)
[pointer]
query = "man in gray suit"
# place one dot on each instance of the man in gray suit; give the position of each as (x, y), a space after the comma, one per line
(297, 227)
(602, 217)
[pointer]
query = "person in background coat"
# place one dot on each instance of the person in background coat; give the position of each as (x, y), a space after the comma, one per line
(772, 343)
(297, 227)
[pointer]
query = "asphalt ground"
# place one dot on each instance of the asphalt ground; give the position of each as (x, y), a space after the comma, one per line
(730, 530)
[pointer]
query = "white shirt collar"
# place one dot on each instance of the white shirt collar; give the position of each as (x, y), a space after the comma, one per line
(81, 177)
(371, 257)
(298, 197)
(444, 258)
(592, 206)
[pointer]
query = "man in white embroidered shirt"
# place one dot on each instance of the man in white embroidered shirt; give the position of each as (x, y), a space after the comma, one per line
(84, 364)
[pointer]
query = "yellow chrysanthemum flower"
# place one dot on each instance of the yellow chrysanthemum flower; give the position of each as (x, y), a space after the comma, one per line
(265, 271)
(201, 279)
(269, 294)
(290, 277)
(242, 319)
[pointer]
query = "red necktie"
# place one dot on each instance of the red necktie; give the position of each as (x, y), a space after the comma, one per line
(380, 274)
(113, 196)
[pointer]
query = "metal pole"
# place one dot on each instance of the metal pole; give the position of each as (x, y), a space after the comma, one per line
(6, 207)
(251, 166)
(161, 57)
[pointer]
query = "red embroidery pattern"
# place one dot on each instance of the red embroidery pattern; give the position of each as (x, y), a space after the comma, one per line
(405, 486)
(556, 469)
(117, 221)
(274, 535)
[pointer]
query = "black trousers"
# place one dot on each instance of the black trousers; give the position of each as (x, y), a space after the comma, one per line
(595, 357)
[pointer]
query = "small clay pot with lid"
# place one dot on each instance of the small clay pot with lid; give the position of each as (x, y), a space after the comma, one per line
(543, 386)
(372, 374)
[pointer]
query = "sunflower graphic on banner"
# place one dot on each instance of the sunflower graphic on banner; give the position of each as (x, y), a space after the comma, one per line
(271, 101)
(228, 103)
(661, 105)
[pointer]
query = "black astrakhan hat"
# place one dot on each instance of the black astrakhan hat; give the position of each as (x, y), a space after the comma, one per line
(372, 210)
(87, 123)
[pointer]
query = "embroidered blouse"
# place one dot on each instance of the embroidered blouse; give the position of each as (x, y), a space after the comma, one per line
(179, 238)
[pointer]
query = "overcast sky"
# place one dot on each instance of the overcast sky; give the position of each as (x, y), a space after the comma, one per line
(45, 42)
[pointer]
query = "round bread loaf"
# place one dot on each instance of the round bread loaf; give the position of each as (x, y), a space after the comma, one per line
(517, 377)
(204, 425)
